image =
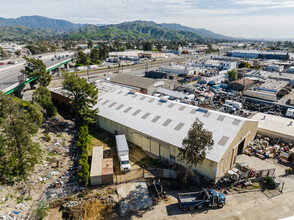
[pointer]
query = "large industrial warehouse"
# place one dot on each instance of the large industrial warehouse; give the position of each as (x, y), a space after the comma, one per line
(159, 126)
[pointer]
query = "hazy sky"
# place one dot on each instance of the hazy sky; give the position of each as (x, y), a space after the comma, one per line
(238, 18)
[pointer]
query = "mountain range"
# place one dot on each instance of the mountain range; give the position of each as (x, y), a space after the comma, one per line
(40, 27)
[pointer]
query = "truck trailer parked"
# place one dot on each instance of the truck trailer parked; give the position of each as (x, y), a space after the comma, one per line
(123, 152)
(192, 200)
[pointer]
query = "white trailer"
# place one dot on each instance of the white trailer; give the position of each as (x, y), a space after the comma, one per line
(123, 152)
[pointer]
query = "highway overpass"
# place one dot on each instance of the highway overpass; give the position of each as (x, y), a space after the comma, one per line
(11, 79)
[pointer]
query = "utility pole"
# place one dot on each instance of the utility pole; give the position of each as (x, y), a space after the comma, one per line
(87, 70)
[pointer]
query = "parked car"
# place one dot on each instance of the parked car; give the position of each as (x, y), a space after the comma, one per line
(40, 56)
(2, 63)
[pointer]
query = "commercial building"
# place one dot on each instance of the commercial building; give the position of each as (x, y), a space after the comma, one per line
(142, 84)
(221, 65)
(241, 84)
(151, 55)
(128, 53)
(254, 54)
(159, 126)
(276, 68)
(275, 126)
(270, 90)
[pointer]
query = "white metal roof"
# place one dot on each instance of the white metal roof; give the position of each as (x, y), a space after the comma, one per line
(168, 121)
(275, 124)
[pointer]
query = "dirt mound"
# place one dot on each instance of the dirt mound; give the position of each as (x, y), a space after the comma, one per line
(89, 210)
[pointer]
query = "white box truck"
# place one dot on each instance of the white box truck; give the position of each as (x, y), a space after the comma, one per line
(123, 152)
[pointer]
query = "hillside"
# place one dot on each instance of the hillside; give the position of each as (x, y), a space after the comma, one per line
(40, 22)
(203, 32)
(21, 33)
(139, 30)
(35, 27)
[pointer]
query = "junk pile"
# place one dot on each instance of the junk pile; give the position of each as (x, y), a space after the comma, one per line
(264, 147)
(242, 176)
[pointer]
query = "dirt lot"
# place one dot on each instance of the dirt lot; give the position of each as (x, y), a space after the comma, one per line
(95, 203)
(138, 158)
(54, 137)
(252, 205)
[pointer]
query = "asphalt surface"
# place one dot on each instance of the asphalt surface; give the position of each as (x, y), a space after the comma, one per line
(10, 73)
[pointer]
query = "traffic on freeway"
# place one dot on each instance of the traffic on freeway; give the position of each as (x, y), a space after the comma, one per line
(10, 73)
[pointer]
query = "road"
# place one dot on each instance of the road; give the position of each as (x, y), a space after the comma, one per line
(10, 73)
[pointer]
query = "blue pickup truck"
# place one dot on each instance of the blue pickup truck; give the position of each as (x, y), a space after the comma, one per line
(205, 197)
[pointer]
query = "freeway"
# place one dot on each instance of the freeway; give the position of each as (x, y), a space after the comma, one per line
(10, 73)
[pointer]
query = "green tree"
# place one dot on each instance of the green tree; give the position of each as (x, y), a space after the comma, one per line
(94, 55)
(3, 53)
(147, 46)
(287, 57)
(35, 68)
(82, 59)
(82, 143)
(19, 121)
(233, 74)
(244, 65)
(159, 46)
(17, 53)
(84, 96)
(43, 97)
(90, 44)
(196, 144)
(103, 51)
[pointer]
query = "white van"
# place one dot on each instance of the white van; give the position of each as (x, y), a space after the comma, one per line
(290, 112)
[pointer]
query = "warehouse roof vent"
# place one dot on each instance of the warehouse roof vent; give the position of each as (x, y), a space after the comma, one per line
(105, 102)
(156, 118)
(112, 104)
(236, 122)
(151, 100)
(207, 114)
(167, 122)
(146, 115)
(119, 107)
(136, 112)
(221, 118)
(179, 126)
(127, 110)
(193, 111)
(182, 108)
(223, 141)
(171, 105)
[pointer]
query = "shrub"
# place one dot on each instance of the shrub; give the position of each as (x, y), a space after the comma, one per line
(42, 211)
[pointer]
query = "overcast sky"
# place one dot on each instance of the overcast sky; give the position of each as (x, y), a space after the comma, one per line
(237, 18)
